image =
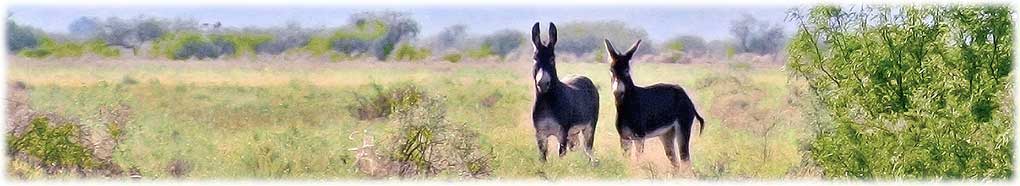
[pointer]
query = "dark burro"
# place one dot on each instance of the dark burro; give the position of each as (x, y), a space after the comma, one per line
(662, 110)
(563, 109)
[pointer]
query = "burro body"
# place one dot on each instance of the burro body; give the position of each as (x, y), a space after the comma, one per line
(659, 110)
(564, 109)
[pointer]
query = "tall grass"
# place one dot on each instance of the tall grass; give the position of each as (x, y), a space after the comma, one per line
(293, 121)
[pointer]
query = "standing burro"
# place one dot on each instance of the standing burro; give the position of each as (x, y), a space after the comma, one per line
(564, 109)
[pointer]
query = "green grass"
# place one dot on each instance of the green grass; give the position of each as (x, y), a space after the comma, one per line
(233, 120)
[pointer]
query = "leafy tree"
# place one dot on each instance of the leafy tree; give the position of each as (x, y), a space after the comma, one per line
(398, 27)
(451, 37)
(583, 37)
(285, 38)
(756, 36)
(20, 37)
(692, 45)
(912, 92)
(85, 28)
(502, 42)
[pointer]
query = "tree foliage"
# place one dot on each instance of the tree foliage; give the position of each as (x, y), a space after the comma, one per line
(912, 92)
(503, 42)
(583, 37)
(20, 37)
(397, 26)
(757, 36)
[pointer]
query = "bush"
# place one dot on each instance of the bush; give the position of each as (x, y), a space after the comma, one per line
(386, 101)
(56, 145)
(240, 44)
(428, 144)
(293, 36)
(923, 96)
(481, 52)
(187, 45)
(406, 52)
(198, 47)
(51, 48)
(452, 58)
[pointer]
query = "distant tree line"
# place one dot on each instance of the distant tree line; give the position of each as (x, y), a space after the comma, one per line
(378, 35)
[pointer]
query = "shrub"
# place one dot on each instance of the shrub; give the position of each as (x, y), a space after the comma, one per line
(452, 58)
(240, 44)
(482, 52)
(406, 52)
(187, 45)
(49, 47)
(291, 37)
(918, 97)
(101, 48)
(386, 101)
(428, 144)
(56, 145)
(197, 47)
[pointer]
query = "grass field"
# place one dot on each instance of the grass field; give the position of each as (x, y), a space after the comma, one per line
(240, 120)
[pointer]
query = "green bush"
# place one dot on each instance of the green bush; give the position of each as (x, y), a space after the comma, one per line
(35, 53)
(675, 45)
(406, 52)
(101, 48)
(386, 101)
(187, 45)
(53, 145)
(428, 144)
(244, 43)
(482, 52)
(50, 48)
(452, 58)
(924, 96)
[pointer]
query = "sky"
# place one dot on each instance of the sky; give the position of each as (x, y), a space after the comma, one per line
(661, 22)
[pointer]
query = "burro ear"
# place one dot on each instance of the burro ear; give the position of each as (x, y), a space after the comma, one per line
(536, 39)
(633, 48)
(552, 35)
(612, 51)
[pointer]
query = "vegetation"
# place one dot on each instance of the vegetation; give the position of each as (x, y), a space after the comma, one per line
(20, 37)
(300, 119)
(871, 93)
(379, 35)
(909, 92)
(755, 36)
(406, 52)
(50, 48)
(54, 145)
(582, 37)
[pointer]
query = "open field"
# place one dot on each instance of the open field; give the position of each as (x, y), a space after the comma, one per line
(239, 120)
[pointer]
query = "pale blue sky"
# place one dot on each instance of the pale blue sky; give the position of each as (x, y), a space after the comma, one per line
(661, 22)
